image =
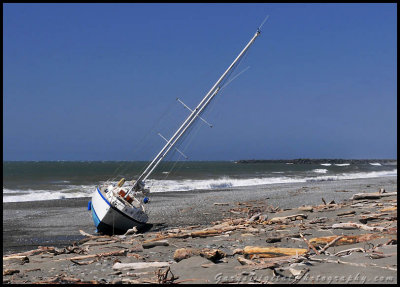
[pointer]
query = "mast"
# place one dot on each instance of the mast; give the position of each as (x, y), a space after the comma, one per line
(139, 183)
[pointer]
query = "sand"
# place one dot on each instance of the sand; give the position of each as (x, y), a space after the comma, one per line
(57, 223)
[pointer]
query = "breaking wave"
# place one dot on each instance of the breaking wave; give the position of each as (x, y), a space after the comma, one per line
(72, 191)
(320, 170)
(77, 191)
(375, 163)
(227, 182)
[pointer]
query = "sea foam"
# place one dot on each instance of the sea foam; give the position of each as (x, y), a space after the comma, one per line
(320, 170)
(77, 191)
(375, 163)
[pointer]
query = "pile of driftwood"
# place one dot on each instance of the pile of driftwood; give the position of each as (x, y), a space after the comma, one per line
(257, 221)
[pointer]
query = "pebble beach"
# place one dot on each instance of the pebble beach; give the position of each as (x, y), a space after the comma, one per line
(314, 232)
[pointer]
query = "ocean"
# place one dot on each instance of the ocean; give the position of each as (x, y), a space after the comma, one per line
(40, 180)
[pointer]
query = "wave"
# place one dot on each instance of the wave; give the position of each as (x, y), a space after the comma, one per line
(342, 164)
(44, 195)
(320, 170)
(375, 163)
(326, 164)
(355, 175)
(220, 183)
(72, 191)
(77, 191)
(227, 182)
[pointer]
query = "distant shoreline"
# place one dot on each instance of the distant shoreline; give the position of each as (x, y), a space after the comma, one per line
(318, 161)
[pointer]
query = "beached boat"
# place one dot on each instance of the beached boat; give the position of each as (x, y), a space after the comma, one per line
(116, 207)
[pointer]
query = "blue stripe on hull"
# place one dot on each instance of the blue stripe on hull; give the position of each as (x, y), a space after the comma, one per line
(103, 197)
(105, 228)
(96, 219)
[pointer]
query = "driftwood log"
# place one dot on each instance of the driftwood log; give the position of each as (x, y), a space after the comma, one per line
(372, 195)
(346, 239)
(353, 225)
(269, 252)
(213, 255)
(309, 244)
(331, 243)
(20, 259)
(299, 216)
(10, 271)
(139, 265)
(155, 243)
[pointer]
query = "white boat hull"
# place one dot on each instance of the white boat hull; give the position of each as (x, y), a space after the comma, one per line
(109, 216)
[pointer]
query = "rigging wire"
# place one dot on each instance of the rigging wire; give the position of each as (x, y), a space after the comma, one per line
(223, 84)
(190, 135)
(145, 138)
(209, 110)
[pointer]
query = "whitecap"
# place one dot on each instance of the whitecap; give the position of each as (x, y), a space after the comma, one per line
(71, 191)
(320, 170)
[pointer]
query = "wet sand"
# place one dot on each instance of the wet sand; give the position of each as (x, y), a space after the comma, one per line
(27, 225)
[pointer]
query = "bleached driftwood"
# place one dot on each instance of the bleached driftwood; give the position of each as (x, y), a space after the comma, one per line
(212, 231)
(139, 265)
(278, 237)
(86, 234)
(346, 213)
(99, 255)
(309, 244)
(211, 254)
(331, 243)
(353, 225)
(372, 195)
(97, 243)
(254, 217)
(64, 279)
(375, 216)
(346, 239)
(10, 271)
(306, 208)
(288, 218)
(318, 220)
(133, 230)
(21, 259)
(353, 264)
(264, 263)
(245, 261)
(348, 251)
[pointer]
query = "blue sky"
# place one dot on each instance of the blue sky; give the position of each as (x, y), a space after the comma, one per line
(99, 81)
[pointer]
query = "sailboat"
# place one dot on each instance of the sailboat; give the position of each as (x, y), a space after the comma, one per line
(116, 207)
